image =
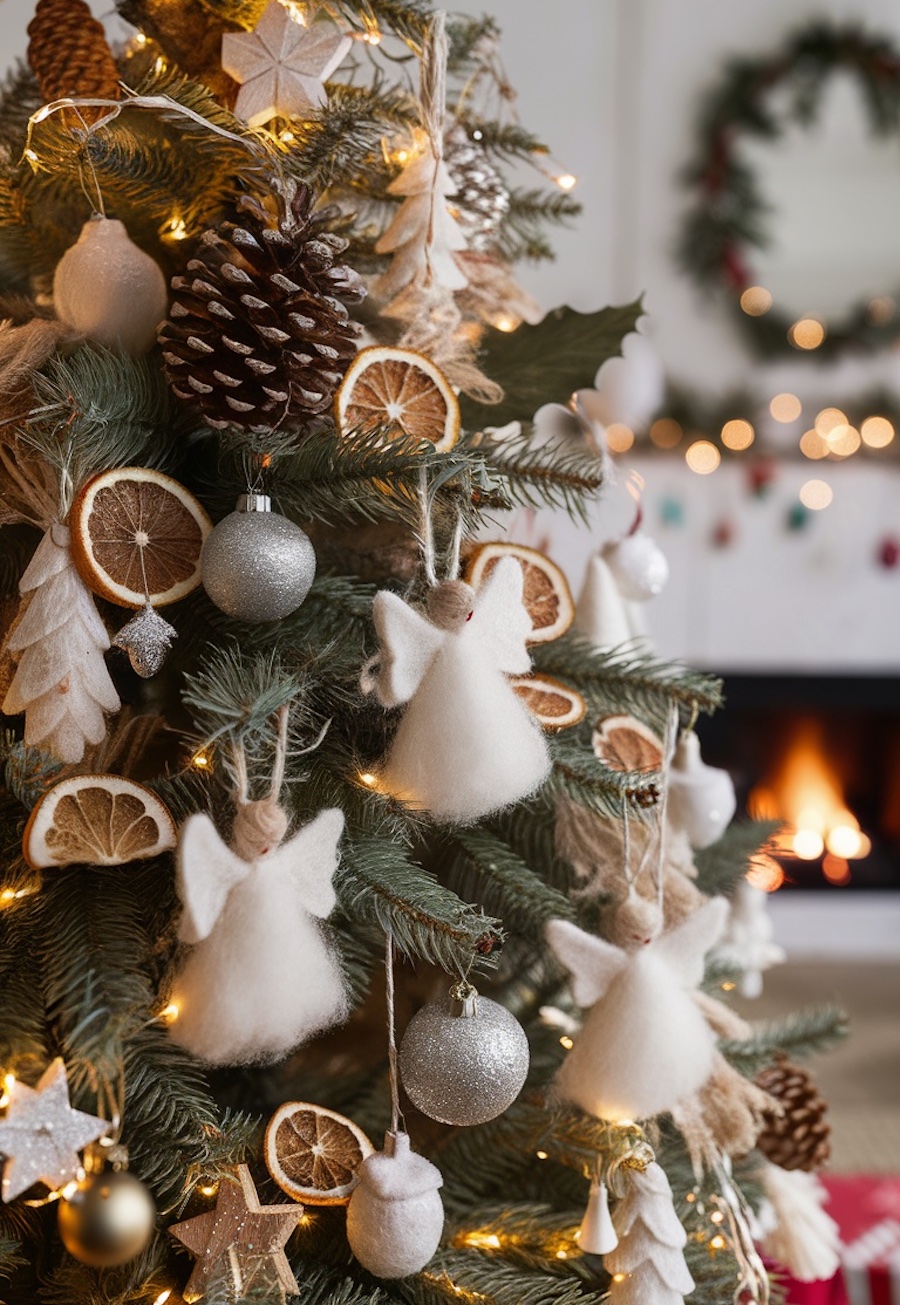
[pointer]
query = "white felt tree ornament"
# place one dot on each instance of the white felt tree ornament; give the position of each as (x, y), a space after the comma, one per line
(648, 1265)
(61, 681)
(466, 745)
(282, 65)
(395, 1217)
(260, 978)
(645, 1044)
(799, 1234)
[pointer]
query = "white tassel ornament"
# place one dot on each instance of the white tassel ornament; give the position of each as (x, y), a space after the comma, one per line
(61, 681)
(466, 745)
(395, 1217)
(648, 1265)
(108, 289)
(645, 1044)
(597, 1236)
(801, 1237)
(701, 798)
(261, 978)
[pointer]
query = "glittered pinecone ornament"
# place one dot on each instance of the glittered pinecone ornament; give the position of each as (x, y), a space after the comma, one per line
(69, 55)
(800, 1137)
(481, 201)
(258, 332)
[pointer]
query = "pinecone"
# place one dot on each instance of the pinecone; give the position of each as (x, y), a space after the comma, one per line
(481, 201)
(257, 333)
(69, 55)
(800, 1137)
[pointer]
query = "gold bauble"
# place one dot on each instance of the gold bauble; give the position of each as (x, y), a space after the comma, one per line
(108, 1219)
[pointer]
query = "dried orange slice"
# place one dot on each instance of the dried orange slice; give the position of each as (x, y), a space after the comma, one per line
(137, 534)
(313, 1153)
(96, 820)
(555, 705)
(547, 597)
(398, 390)
(627, 744)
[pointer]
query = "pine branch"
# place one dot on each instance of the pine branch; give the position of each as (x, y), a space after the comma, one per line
(578, 774)
(800, 1034)
(721, 867)
(344, 141)
(493, 1280)
(97, 409)
(619, 680)
(548, 476)
(377, 885)
(480, 866)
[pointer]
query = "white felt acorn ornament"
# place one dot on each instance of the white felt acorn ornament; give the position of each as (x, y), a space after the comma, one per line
(463, 1061)
(395, 1217)
(260, 977)
(466, 745)
(701, 798)
(257, 565)
(645, 1044)
(109, 289)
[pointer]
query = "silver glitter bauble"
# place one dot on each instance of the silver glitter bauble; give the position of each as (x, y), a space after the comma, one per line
(638, 565)
(465, 1061)
(147, 639)
(108, 1219)
(256, 564)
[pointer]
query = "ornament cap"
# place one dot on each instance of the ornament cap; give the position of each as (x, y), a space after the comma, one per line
(464, 1000)
(254, 503)
(398, 1173)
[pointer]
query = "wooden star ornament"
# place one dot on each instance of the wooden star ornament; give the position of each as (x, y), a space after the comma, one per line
(42, 1134)
(281, 65)
(238, 1220)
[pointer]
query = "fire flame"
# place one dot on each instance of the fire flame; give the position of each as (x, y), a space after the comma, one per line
(805, 791)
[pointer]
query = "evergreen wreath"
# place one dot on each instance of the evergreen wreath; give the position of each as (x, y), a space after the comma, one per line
(728, 218)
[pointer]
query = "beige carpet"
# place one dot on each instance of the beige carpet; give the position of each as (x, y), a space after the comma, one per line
(861, 1077)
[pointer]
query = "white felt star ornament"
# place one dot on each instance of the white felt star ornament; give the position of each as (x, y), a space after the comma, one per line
(281, 65)
(41, 1134)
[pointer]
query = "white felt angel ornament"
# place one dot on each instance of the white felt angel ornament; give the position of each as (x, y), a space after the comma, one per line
(261, 977)
(466, 744)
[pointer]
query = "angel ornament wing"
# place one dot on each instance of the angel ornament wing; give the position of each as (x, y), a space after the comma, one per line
(466, 745)
(645, 1044)
(261, 977)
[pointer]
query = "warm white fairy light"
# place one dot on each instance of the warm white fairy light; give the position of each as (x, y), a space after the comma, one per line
(163, 1296)
(566, 181)
(567, 1042)
(170, 1013)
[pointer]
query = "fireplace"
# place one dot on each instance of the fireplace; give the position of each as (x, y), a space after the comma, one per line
(822, 754)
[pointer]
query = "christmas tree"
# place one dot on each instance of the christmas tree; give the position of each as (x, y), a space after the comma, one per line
(358, 913)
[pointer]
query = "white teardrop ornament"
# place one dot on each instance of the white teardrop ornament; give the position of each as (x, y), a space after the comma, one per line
(109, 289)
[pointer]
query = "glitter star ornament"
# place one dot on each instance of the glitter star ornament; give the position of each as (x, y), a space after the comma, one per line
(238, 1223)
(281, 65)
(42, 1134)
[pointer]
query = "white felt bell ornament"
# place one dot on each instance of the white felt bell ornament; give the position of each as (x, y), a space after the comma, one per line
(645, 1044)
(466, 745)
(395, 1217)
(108, 289)
(597, 1236)
(702, 800)
(260, 977)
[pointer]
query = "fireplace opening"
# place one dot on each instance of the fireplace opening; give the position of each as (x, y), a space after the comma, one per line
(821, 754)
